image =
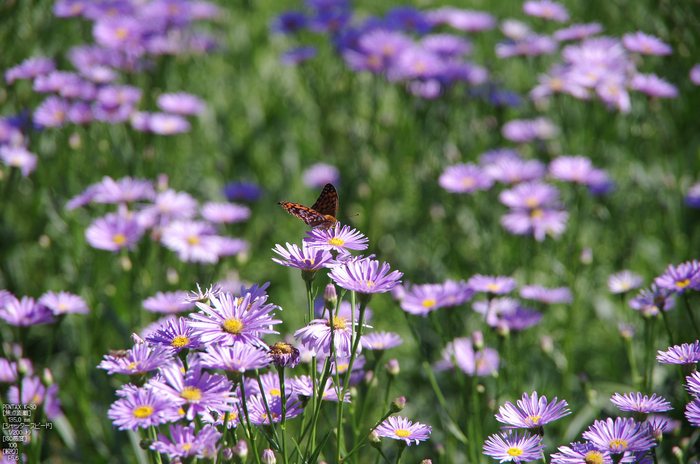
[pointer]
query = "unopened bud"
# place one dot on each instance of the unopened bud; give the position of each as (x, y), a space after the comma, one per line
(398, 404)
(439, 449)
(268, 457)
(125, 263)
(678, 453)
(240, 451)
(502, 329)
(330, 297)
(478, 340)
(48, 377)
(392, 367)
(136, 338)
(227, 454)
(375, 440)
(162, 182)
(172, 276)
(74, 141)
(426, 461)
(626, 330)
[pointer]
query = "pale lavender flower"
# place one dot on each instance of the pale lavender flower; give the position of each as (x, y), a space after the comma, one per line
(167, 124)
(463, 20)
(637, 403)
(142, 408)
(693, 384)
(611, 90)
(52, 82)
(400, 428)
(624, 281)
(525, 130)
(578, 31)
(30, 69)
(695, 74)
(531, 45)
(18, 157)
(168, 205)
(112, 96)
(464, 178)
(654, 86)
(422, 299)
(538, 222)
(416, 63)
(240, 357)
(225, 213)
(532, 412)
(692, 412)
(618, 436)
(645, 44)
(514, 446)
(168, 303)
(558, 81)
(258, 410)
(8, 371)
(183, 442)
(63, 303)
(515, 170)
(176, 335)
(305, 258)
(180, 103)
(138, 360)
(460, 353)
(53, 112)
(497, 285)
(365, 276)
(80, 113)
(546, 295)
(337, 239)
(302, 387)
(320, 174)
(112, 114)
(446, 45)
(681, 277)
(546, 9)
(581, 453)
(381, 340)
(317, 336)
(578, 169)
(654, 300)
(680, 354)
(124, 190)
(114, 232)
(193, 241)
(25, 312)
(124, 33)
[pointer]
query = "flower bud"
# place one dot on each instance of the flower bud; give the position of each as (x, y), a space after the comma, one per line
(375, 440)
(398, 404)
(330, 297)
(478, 340)
(227, 454)
(268, 457)
(284, 355)
(240, 451)
(426, 461)
(392, 367)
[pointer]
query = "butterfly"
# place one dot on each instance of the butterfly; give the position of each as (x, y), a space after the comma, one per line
(321, 214)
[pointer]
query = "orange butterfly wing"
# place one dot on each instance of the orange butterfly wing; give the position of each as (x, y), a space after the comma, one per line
(321, 214)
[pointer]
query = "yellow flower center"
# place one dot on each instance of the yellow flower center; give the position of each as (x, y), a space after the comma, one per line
(515, 451)
(180, 341)
(401, 433)
(537, 214)
(232, 325)
(428, 302)
(122, 33)
(534, 419)
(531, 202)
(343, 367)
(374, 61)
(193, 240)
(618, 444)
(468, 182)
(594, 457)
(191, 394)
(143, 411)
(339, 323)
(335, 241)
(309, 262)
(133, 365)
(683, 283)
(275, 392)
(492, 287)
(186, 446)
(119, 239)
(556, 84)
(369, 284)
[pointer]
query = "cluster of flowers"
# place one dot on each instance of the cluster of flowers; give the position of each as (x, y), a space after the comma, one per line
(27, 311)
(534, 205)
(629, 439)
(399, 46)
(687, 356)
(126, 33)
(168, 215)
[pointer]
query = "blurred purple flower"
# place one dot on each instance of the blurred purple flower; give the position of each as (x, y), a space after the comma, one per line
(578, 31)
(546, 9)
(465, 178)
(654, 86)
(298, 55)
(645, 44)
(114, 232)
(320, 174)
(30, 69)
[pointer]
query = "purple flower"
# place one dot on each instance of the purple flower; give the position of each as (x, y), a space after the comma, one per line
(317, 336)
(381, 340)
(678, 279)
(645, 44)
(193, 241)
(80, 113)
(233, 320)
(305, 258)
(193, 390)
(695, 74)
(539, 222)
(25, 312)
(289, 22)
(167, 124)
(225, 213)
(184, 443)
(637, 403)
(142, 408)
(683, 354)
(298, 55)
(651, 302)
(302, 387)
(515, 170)
(611, 90)
(577, 169)
(166, 206)
(531, 45)
(463, 20)
(546, 9)
(654, 86)
(692, 412)
(406, 18)
(365, 276)
(284, 355)
(53, 112)
(578, 31)
(18, 157)
(168, 303)
(114, 232)
(416, 63)
(624, 281)
(258, 410)
(497, 285)
(546, 295)
(465, 178)
(180, 103)
(400, 428)
(460, 352)
(692, 197)
(124, 33)
(514, 446)
(422, 299)
(124, 190)
(522, 130)
(693, 385)
(446, 45)
(175, 334)
(64, 303)
(532, 412)
(240, 357)
(30, 69)
(138, 360)
(8, 371)
(618, 436)
(581, 453)
(558, 81)
(242, 191)
(33, 392)
(320, 174)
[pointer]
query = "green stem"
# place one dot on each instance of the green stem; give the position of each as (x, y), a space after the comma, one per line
(690, 313)
(251, 437)
(283, 422)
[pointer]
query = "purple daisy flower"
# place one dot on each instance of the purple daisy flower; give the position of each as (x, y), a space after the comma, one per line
(460, 353)
(336, 239)
(645, 44)
(578, 31)
(546, 295)
(175, 334)
(298, 55)
(546, 9)
(225, 213)
(694, 74)
(302, 387)
(531, 45)
(18, 157)
(33, 392)
(53, 112)
(114, 232)
(8, 371)
(193, 241)
(180, 103)
(416, 63)
(317, 336)
(463, 20)
(381, 340)
(642, 404)
(692, 412)
(422, 299)
(365, 276)
(243, 191)
(167, 124)
(455, 293)
(52, 82)
(289, 22)
(25, 312)
(465, 178)
(124, 190)
(320, 174)
(624, 281)
(142, 408)
(80, 113)
(514, 446)
(652, 302)
(305, 258)
(400, 428)
(124, 33)
(493, 308)
(30, 69)
(519, 318)
(405, 18)
(183, 442)
(679, 278)
(239, 357)
(166, 206)
(194, 391)
(618, 436)
(581, 453)
(515, 170)
(611, 90)
(654, 86)
(524, 130)
(693, 385)
(497, 285)
(138, 360)
(539, 222)
(64, 303)
(532, 412)
(258, 411)
(577, 169)
(692, 197)
(683, 354)
(446, 45)
(558, 81)
(168, 303)
(233, 320)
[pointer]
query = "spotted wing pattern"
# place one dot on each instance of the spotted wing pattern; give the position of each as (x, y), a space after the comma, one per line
(321, 214)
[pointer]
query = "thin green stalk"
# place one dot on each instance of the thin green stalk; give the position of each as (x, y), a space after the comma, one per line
(690, 313)
(283, 421)
(668, 326)
(251, 436)
(355, 337)
(633, 363)
(267, 406)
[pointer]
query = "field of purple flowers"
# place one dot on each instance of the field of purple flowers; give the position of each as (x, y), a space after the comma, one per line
(493, 231)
